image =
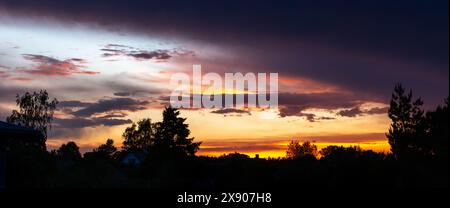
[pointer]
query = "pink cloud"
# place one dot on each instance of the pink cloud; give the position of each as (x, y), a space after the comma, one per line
(49, 66)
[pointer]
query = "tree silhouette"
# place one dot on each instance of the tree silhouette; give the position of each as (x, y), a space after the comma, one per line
(407, 134)
(140, 136)
(413, 134)
(438, 122)
(172, 134)
(235, 156)
(106, 150)
(69, 151)
(296, 150)
(341, 152)
(35, 111)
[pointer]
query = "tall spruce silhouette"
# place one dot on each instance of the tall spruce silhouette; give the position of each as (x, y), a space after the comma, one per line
(407, 134)
(172, 134)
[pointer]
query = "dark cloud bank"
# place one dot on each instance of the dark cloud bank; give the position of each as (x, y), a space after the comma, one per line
(104, 112)
(363, 46)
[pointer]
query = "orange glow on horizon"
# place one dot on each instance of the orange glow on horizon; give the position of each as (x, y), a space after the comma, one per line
(279, 149)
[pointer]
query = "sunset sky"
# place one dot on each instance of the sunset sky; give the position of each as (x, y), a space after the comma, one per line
(109, 64)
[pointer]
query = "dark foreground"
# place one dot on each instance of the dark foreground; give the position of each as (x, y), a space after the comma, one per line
(345, 169)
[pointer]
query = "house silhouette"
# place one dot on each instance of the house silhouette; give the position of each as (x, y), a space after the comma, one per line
(134, 158)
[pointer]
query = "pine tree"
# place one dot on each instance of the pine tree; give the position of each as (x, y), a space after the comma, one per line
(172, 134)
(408, 128)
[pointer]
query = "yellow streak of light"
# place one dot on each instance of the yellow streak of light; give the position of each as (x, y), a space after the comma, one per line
(377, 146)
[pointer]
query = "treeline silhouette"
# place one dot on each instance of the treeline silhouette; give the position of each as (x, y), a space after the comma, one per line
(161, 155)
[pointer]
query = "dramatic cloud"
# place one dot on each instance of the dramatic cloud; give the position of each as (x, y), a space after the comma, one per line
(361, 48)
(146, 55)
(351, 112)
(85, 114)
(111, 50)
(357, 111)
(293, 111)
(106, 106)
(294, 104)
(369, 47)
(49, 66)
